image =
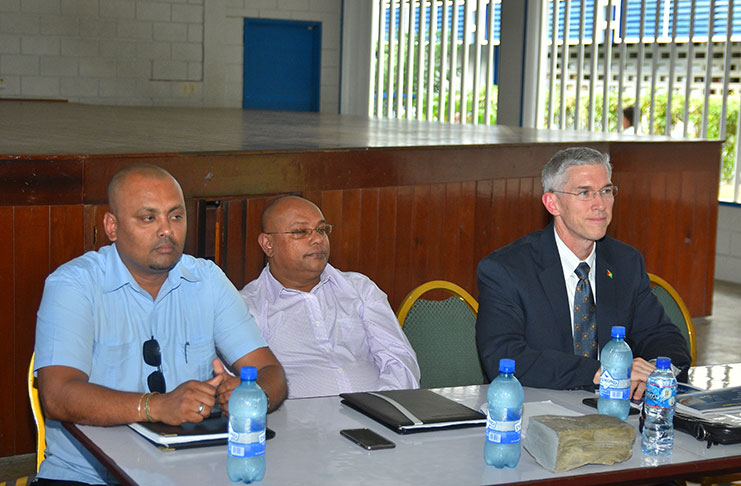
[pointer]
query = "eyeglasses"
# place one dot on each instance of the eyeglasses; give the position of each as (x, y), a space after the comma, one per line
(153, 357)
(300, 234)
(607, 193)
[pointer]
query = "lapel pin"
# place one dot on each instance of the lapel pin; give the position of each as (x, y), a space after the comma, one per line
(609, 273)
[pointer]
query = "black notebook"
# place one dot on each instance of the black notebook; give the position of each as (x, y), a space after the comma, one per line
(210, 432)
(405, 411)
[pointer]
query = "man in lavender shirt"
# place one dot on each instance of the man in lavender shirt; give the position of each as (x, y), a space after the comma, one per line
(333, 331)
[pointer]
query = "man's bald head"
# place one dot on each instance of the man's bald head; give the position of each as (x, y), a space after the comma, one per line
(275, 208)
(144, 170)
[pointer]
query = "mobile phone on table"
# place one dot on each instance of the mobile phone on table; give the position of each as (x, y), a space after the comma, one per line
(592, 402)
(367, 439)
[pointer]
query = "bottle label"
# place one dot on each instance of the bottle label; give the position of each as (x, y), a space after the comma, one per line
(612, 388)
(246, 444)
(661, 395)
(504, 431)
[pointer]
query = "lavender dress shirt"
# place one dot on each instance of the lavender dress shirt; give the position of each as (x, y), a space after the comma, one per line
(341, 336)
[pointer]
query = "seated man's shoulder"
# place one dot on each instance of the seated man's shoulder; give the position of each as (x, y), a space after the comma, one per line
(617, 250)
(356, 280)
(90, 265)
(515, 254)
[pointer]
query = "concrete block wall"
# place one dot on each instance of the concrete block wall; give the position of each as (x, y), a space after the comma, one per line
(145, 52)
(728, 245)
(133, 52)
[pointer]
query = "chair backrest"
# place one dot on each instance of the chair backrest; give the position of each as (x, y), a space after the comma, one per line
(443, 334)
(676, 310)
(38, 415)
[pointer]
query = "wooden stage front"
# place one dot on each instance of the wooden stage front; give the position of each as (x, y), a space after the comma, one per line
(412, 201)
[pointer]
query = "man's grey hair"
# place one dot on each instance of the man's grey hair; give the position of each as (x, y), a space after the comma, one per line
(555, 172)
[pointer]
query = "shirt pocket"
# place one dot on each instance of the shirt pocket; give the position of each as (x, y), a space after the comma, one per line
(194, 361)
(118, 365)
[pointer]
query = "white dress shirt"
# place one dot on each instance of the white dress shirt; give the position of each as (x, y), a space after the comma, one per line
(341, 336)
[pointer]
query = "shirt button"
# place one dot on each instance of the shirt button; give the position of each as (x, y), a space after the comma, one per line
(317, 323)
(339, 370)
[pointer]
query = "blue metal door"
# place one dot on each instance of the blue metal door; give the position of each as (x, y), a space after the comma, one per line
(282, 61)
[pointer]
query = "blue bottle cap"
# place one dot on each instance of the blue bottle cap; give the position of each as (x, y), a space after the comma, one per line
(248, 373)
(618, 332)
(506, 365)
(663, 363)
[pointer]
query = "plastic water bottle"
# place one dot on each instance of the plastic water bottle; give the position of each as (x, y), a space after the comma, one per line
(658, 408)
(504, 418)
(248, 407)
(614, 380)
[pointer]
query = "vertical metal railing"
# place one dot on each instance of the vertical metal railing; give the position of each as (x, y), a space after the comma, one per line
(433, 58)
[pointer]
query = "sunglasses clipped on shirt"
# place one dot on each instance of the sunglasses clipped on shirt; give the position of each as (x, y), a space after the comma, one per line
(153, 357)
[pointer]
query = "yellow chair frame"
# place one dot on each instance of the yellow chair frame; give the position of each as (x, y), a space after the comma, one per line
(456, 290)
(38, 415)
(660, 282)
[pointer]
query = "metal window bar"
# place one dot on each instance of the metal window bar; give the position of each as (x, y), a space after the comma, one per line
(400, 64)
(432, 64)
(580, 63)
(552, 80)
(726, 75)
(708, 70)
(690, 62)
(409, 65)
(672, 69)
(606, 63)
(654, 68)
(621, 75)
(421, 24)
(564, 64)
(452, 95)
(442, 102)
(489, 63)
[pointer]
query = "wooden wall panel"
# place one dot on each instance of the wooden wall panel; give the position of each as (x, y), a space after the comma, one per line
(32, 250)
(8, 371)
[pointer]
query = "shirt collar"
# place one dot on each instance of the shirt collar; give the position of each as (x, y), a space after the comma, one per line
(569, 260)
(117, 275)
(275, 289)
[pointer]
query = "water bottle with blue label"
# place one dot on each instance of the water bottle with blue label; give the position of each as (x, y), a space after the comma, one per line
(248, 407)
(504, 418)
(658, 408)
(614, 381)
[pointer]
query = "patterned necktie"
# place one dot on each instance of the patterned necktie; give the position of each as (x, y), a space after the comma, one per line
(585, 323)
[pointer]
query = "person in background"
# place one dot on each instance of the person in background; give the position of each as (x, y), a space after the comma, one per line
(130, 333)
(550, 299)
(332, 331)
(628, 117)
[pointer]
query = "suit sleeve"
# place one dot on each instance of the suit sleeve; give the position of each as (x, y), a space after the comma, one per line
(511, 323)
(652, 333)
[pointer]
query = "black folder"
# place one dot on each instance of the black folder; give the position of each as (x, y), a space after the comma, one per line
(407, 411)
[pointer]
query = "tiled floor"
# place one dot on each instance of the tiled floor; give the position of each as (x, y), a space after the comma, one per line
(718, 341)
(719, 336)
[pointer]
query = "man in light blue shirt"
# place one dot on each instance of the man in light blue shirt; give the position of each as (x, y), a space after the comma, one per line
(131, 332)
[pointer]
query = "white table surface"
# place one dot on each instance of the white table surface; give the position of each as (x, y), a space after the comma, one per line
(308, 449)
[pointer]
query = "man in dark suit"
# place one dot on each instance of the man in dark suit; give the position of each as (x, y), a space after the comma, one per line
(527, 289)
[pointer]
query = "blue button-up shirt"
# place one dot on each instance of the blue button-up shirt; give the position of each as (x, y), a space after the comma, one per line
(95, 317)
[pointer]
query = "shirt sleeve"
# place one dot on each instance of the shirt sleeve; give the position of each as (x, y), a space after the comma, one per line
(65, 323)
(235, 331)
(394, 356)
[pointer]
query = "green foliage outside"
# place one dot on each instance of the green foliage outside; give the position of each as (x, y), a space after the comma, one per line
(694, 116)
